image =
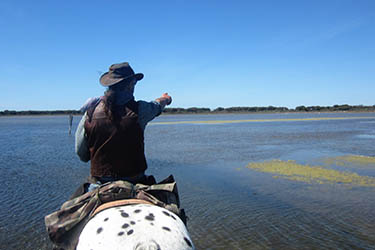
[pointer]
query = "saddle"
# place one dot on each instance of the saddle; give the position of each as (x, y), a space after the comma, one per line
(119, 203)
(64, 225)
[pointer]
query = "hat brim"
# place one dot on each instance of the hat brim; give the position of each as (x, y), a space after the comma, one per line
(108, 79)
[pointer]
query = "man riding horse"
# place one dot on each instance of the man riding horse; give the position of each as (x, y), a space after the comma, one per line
(111, 136)
(111, 132)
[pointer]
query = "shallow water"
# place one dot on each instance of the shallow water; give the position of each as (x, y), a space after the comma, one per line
(230, 206)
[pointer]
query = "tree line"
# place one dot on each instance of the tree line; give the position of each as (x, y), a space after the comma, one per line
(40, 112)
(272, 109)
(195, 110)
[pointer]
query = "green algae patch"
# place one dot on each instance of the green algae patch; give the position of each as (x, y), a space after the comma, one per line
(357, 160)
(305, 173)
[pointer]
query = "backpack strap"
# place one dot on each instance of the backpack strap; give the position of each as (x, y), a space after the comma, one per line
(91, 109)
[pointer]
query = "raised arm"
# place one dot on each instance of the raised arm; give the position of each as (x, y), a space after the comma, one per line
(149, 110)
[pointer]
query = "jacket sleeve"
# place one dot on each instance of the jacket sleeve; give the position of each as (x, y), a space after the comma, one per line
(81, 145)
(148, 111)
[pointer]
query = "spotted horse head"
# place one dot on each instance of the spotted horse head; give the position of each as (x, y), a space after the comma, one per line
(135, 226)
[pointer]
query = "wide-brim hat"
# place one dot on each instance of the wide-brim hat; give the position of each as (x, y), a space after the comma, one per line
(117, 73)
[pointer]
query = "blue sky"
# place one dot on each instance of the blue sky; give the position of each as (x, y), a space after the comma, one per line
(203, 53)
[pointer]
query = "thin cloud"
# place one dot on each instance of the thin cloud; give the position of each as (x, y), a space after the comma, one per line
(305, 37)
(338, 30)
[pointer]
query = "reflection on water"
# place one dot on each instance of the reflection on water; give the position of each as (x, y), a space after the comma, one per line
(229, 205)
(371, 136)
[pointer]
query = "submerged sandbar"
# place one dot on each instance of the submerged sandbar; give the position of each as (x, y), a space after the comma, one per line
(305, 173)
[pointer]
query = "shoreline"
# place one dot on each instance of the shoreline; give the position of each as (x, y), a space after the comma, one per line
(343, 108)
(77, 113)
(270, 112)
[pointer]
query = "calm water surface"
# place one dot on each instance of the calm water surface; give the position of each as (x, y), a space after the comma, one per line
(229, 206)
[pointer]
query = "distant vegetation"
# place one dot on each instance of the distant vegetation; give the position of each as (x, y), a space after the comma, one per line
(36, 112)
(194, 110)
(272, 109)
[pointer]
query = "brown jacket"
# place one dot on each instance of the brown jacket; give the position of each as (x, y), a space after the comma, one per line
(116, 147)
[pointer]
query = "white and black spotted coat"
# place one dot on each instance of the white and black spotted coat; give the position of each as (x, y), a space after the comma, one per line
(139, 226)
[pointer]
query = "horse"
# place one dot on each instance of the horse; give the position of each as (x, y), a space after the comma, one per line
(134, 224)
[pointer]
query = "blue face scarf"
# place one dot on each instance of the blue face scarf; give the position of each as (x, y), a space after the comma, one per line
(123, 96)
